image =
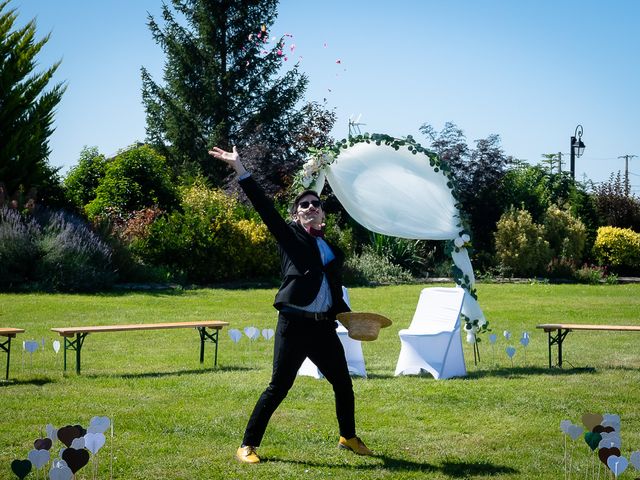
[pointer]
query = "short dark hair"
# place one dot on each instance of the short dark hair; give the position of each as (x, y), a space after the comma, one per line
(294, 205)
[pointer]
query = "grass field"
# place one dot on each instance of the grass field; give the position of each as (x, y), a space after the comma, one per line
(176, 419)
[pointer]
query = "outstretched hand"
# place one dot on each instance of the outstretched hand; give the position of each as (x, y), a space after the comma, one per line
(230, 158)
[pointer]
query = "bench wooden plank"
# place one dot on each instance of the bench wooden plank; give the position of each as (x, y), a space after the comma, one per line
(81, 332)
(5, 346)
(563, 329)
(71, 331)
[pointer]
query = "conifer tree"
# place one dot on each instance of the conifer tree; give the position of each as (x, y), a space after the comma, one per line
(26, 110)
(223, 85)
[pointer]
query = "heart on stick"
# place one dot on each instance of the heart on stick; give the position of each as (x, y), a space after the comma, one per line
(43, 444)
(590, 420)
(56, 346)
(592, 439)
(617, 464)
(605, 453)
(252, 332)
(52, 432)
(574, 431)
(511, 351)
(21, 468)
(635, 459)
(564, 426)
(75, 458)
(99, 424)
(39, 458)
(267, 333)
(235, 335)
(68, 433)
(524, 341)
(31, 346)
(60, 472)
(77, 443)
(492, 338)
(94, 442)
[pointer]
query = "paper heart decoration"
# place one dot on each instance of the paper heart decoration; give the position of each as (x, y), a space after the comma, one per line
(252, 332)
(592, 439)
(31, 346)
(635, 459)
(42, 444)
(605, 453)
(610, 440)
(39, 458)
(267, 333)
(235, 335)
(99, 424)
(76, 459)
(611, 420)
(574, 431)
(94, 442)
(510, 351)
(52, 432)
(492, 338)
(564, 426)
(60, 472)
(507, 334)
(77, 443)
(524, 341)
(68, 433)
(590, 420)
(617, 464)
(21, 468)
(56, 346)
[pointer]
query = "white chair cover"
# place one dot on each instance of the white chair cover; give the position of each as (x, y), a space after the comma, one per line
(433, 343)
(352, 352)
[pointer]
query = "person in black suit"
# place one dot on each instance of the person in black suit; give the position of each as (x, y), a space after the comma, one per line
(308, 301)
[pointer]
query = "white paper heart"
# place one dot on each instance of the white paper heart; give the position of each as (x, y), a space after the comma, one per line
(564, 425)
(99, 424)
(235, 335)
(610, 439)
(252, 332)
(31, 346)
(77, 443)
(524, 341)
(611, 420)
(492, 338)
(56, 346)
(52, 432)
(60, 473)
(574, 431)
(635, 459)
(39, 458)
(525, 334)
(507, 334)
(617, 464)
(267, 333)
(511, 351)
(94, 442)
(58, 462)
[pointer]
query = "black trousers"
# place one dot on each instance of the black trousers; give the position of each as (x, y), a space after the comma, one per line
(296, 339)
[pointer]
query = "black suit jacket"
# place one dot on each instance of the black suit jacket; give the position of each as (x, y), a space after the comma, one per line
(300, 260)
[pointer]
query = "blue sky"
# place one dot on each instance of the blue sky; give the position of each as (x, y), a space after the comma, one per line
(530, 71)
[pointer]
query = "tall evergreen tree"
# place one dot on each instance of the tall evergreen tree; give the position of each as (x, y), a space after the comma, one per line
(222, 86)
(26, 110)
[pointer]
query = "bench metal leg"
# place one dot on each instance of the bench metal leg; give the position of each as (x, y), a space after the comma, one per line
(74, 345)
(212, 337)
(6, 346)
(558, 338)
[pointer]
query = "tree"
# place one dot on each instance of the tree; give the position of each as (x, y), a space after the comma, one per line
(222, 87)
(615, 208)
(82, 180)
(26, 111)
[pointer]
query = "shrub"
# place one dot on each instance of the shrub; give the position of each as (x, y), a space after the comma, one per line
(565, 233)
(18, 250)
(520, 245)
(369, 268)
(81, 182)
(411, 255)
(134, 179)
(209, 240)
(615, 206)
(618, 248)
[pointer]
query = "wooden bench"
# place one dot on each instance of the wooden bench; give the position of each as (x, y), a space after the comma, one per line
(6, 345)
(558, 331)
(71, 343)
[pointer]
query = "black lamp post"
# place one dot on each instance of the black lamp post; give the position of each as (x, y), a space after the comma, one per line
(577, 149)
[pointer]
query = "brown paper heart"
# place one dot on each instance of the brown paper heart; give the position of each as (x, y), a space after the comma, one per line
(590, 420)
(68, 433)
(75, 458)
(605, 453)
(42, 444)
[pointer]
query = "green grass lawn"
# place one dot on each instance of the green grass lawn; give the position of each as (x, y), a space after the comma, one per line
(177, 419)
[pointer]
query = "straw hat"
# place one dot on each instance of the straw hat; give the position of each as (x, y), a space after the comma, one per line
(363, 326)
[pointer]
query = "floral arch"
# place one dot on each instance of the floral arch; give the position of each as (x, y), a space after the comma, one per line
(398, 188)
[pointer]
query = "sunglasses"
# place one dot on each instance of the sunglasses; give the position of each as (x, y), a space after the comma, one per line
(304, 205)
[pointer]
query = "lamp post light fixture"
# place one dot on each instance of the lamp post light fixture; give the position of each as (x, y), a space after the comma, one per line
(577, 149)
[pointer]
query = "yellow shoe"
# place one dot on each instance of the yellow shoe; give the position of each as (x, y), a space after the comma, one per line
(355, 445)
(247, 455)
